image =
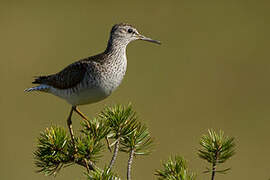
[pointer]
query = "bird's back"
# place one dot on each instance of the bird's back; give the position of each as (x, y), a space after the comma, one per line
(85, 81)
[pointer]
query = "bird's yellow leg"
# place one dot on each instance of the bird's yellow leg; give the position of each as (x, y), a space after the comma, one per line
(75, 108)
(69, 123)
(80, 113)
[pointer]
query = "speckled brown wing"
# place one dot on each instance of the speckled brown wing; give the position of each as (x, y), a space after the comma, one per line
(67, 78)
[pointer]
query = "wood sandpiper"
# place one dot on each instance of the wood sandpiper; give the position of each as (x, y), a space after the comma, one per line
(93, 78)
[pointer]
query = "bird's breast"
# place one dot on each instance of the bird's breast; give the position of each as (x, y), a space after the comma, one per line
(109, 76)
(100, 84)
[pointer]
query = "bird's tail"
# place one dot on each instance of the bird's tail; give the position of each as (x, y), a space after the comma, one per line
(42, 87)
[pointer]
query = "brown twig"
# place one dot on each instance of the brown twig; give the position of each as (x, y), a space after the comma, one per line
(86, 164)
(108, 143)
(214, 166)
(131, 155)
(115, 152)
(90, 164)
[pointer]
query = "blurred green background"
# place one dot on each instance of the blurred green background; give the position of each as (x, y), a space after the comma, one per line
(212, 71)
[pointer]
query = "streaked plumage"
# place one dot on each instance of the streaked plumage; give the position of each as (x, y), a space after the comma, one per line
(94, 78)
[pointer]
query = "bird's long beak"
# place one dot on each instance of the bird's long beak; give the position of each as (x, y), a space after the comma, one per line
(141, 37)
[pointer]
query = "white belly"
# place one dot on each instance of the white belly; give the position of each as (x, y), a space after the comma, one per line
(91, 91)
(91, 94)
(82, 96)
(87, 96)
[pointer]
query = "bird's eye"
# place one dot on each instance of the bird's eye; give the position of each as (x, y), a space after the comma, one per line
(130, 31)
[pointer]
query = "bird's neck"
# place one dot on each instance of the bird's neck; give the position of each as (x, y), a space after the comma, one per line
(116, 46)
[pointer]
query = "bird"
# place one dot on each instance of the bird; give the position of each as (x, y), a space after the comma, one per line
(94, 78)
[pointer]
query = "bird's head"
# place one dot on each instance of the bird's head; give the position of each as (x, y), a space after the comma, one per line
(125, 33)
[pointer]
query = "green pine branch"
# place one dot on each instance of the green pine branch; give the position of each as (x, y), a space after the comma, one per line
(175, 169)
(118, 123)
(129, 134)
(53, 151)
(138, 142)
(105, 174)
(119, 127)
(216, 148)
